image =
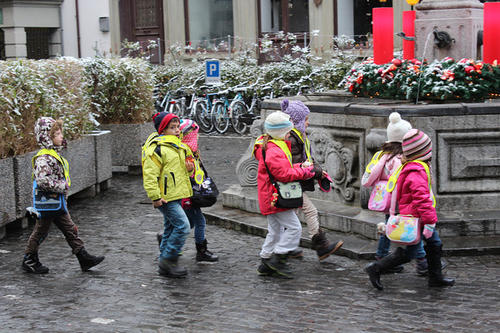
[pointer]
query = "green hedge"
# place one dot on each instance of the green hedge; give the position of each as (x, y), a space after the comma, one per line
(30, 89)
(83, 92)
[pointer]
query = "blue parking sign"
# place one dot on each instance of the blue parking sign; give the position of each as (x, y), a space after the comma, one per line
(212, 71)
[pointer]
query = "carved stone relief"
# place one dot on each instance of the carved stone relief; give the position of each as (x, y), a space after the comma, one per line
(336, 159)
(247, 166)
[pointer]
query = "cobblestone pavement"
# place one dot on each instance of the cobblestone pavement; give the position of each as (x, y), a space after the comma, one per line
(126, 294)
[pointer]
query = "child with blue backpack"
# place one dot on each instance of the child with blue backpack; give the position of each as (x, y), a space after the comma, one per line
(51, 174)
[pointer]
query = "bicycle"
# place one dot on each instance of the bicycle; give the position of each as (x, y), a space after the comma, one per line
(242, 115)
(178, 106)
(220, 112)
(202, 112)
(164, 104)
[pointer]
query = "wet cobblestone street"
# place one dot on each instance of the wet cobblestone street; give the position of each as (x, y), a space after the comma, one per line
(126, 294)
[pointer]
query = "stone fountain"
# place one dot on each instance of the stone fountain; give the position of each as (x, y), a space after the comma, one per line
(454, 26)
(346, 131)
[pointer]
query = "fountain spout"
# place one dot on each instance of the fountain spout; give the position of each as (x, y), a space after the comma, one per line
(442, 39)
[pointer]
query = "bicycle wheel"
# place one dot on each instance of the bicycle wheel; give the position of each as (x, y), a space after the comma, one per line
(220, 118)
(175, 109)
(203, 117)
(239, 111)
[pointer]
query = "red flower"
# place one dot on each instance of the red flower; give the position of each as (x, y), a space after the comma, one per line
(359, 79)
(448, 75)
(469, 69)
(397, 62)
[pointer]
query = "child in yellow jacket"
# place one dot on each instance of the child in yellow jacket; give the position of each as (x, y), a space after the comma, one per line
(167, 165)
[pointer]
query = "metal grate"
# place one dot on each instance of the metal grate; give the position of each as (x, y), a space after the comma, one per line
(37, 42)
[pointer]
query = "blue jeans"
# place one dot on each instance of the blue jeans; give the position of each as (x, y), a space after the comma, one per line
(176, 229)
(384, 244)
(412, 251)
(197, 220)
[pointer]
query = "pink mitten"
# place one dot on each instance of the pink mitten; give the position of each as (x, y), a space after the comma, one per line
(428, 230)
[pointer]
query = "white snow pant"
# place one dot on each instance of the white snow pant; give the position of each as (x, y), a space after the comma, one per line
(283, 233)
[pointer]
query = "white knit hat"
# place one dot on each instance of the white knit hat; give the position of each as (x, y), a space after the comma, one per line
(397, 128)
(278, 124)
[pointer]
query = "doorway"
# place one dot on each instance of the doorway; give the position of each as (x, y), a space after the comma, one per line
(287, 16)
(142, 21)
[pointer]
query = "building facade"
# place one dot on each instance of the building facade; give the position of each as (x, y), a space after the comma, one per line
(47, 28)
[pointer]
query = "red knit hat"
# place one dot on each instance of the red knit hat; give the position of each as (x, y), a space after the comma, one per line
(161, 120)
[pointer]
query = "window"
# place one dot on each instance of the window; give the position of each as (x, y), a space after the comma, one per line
(37, 42)
(209, 23)
(284, 15)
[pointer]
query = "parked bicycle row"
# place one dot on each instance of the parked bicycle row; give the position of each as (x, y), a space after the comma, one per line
(219, 107)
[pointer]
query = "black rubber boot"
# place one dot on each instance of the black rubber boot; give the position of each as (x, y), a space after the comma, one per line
(278, 264)
(264, 269)
(31, 264)
(422, 266)
(203, 254)
(436, 278)
(296, 254)
(374, 269)
(323, 247)
(171, 268)
(393, 270)
(87, 261)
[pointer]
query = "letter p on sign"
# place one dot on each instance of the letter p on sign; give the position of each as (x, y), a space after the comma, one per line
(212, 71)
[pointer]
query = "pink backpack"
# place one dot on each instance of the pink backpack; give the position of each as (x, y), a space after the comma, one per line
(380, 199)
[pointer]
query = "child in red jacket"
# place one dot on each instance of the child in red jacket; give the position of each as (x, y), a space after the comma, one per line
(301, 152)
(414, 197)
(284, 229)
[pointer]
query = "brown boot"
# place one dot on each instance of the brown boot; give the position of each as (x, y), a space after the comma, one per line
(323, 246)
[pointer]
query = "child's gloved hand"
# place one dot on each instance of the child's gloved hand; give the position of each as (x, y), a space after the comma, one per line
(428, 230)
(318, 171)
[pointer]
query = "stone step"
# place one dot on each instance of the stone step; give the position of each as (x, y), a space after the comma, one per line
(363, 222)
(355, 246)
(471, 233)
(333, 216)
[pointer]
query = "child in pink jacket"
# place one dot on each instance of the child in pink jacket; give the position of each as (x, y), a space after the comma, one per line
(414, 197)
(284, 229)
(389, 161)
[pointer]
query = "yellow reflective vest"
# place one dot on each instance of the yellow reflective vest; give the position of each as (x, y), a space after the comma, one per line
(164, 171)
(58, 157)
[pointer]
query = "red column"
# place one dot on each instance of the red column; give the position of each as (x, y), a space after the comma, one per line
(383, 35)
(409, 31)
(491, 32)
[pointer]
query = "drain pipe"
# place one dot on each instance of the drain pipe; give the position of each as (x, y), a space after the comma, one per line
(78, 30)
(61, 29)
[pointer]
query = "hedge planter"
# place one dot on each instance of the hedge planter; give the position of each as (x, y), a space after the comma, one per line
(90, 168)
(103, 151)
(7, 196)
(127, 140)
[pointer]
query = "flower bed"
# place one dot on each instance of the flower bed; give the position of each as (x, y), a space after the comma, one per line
(465, 80)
